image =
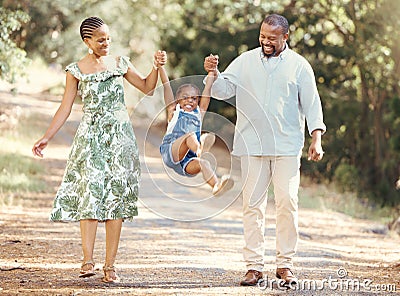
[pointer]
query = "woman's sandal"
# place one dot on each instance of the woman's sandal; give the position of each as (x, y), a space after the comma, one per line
(107, 278)
(87, 272)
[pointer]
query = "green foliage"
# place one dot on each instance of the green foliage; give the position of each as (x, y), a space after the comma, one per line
(346, 178)
(48, 19)
(198, 29)
(192, 30)
(353, 48)
(12, 58)
(53, 30)
(352, 45)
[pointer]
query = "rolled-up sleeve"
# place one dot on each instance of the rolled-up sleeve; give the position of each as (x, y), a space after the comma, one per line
(310, 101)
(222, 88)
(226, 83)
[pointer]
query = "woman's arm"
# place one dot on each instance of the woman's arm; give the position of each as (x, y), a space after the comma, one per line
(63, 112)
(147, 84)
(169, 99)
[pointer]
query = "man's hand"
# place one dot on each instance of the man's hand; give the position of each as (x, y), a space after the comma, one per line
(211, 64)
(315, 151)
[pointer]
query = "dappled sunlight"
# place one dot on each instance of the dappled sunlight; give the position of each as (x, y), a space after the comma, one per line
(39, 78)
(185, 241)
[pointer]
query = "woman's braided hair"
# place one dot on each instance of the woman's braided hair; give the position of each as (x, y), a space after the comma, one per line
(89, 25)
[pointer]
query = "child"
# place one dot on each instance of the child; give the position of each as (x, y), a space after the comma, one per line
(182, 145)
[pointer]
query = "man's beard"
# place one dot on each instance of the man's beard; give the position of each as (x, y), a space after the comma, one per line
(268, 55)
(271, 54)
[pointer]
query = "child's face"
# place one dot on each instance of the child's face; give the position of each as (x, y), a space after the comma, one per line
(188, 99)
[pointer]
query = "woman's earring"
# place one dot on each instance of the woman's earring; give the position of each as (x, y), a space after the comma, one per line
(90, 51)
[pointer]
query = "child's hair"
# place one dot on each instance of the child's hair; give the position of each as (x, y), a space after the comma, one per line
(180, 89)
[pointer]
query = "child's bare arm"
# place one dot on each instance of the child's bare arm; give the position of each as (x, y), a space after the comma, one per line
(168, 94)
(205, 96)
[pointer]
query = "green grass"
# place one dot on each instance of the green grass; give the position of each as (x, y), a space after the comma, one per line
(30, 128)
(326, 197)
(19, 171)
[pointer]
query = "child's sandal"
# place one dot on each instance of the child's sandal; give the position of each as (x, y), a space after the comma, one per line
(107, 278)
(87, 272)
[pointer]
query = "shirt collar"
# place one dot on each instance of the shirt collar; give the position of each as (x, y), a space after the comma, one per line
(282, 55)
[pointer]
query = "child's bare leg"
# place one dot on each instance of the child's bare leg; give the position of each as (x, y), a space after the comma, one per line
(202, 165)
(183, 144)
(207, 140)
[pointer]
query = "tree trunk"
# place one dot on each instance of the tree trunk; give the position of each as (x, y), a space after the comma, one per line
(379, 136)
(365, 141)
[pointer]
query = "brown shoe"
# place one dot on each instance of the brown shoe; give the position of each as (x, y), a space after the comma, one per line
(251, 278)
(286, 274)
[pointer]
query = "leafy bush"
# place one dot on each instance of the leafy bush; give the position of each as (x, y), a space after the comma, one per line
(346, 177)
(12, 58)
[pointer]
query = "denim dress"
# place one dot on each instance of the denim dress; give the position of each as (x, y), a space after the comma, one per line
(187, 122)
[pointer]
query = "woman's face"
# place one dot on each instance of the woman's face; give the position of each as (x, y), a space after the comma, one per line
(100, 41)
(188, 99)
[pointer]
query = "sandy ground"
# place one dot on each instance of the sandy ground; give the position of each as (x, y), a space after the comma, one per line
(183, 242)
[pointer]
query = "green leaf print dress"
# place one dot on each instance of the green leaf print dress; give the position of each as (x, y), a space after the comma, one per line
(101, 179)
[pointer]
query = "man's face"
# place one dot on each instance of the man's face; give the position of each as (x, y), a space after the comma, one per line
(272, 39)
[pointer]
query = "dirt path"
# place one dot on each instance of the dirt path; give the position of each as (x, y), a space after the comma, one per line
(160, 254)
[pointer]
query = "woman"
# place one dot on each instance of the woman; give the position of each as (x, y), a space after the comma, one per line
(101, 180)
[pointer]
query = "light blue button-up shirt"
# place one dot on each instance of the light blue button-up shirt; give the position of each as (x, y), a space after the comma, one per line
(274, 98)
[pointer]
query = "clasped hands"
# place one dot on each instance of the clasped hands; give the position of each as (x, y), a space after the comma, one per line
(160, 59)
(211, 64)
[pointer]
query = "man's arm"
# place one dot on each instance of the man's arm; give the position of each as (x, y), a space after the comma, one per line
(310, 100)
(222, 88)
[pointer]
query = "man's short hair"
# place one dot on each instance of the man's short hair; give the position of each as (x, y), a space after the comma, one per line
(277, 20)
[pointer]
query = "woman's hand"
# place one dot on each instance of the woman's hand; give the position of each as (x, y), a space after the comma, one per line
(160, 58)
(39, 146)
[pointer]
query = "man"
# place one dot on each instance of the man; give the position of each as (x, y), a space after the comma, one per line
(275, 93)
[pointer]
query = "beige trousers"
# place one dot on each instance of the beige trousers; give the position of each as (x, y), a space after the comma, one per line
(257, 174)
